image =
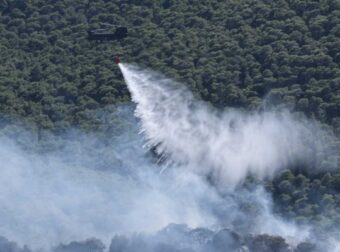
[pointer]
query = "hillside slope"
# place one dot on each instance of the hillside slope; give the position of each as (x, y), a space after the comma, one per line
(237, 53)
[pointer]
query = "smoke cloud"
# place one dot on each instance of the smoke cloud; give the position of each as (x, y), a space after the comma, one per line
(90, 189)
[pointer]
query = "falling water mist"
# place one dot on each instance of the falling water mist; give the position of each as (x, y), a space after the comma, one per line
(228, 145)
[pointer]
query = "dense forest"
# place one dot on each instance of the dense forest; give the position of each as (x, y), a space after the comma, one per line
(233, 53)
(237, 53)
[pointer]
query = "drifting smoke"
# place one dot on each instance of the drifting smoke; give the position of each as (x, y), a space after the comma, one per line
(90, 189)
(229, 145)
(93, 189)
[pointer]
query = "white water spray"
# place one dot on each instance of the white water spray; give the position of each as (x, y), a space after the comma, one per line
(228, 145)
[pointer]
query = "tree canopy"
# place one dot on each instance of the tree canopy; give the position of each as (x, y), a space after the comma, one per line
(236, 53)
(231, 53)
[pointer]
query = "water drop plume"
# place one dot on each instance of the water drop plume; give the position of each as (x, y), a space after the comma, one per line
(227, 145)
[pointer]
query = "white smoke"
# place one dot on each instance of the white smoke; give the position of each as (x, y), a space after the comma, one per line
(90, 189)
(227, 145)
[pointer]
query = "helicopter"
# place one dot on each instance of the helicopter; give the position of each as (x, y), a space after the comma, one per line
(107, 33)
